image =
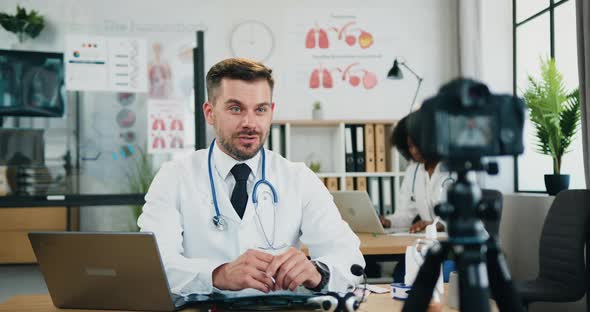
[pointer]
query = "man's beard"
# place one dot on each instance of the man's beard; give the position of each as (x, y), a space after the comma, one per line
(234, 151)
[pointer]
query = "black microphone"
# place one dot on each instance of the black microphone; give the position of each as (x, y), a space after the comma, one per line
(358, 270)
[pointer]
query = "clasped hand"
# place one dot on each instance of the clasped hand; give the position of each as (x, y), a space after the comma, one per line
(265, 272)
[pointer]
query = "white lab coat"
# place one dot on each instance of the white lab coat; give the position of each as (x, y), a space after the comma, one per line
(179, 211)
(428, 191)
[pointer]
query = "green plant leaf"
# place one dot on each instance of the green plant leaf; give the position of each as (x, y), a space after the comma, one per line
(30, 24)
(570, 118)
(140, 177)
(554, 113)
(21, 13)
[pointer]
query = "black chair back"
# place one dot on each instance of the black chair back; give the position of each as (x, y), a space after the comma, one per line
(564, 236)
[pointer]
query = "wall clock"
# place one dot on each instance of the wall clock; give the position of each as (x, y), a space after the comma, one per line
(252, 39)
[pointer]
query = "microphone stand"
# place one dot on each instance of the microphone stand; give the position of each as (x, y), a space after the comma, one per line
(357, 270)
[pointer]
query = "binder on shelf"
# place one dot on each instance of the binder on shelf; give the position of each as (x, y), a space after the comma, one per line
(267, 142)
(332, 184)
(387, 195)
(277, 139)
(375, 194)
(361, 184)
(370, 148)
(349, 183)
(380, 153)
(348, 149)
(359, 148)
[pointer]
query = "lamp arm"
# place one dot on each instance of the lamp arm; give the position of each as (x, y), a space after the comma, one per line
(419, 84)
(416, 94)
(413, 72)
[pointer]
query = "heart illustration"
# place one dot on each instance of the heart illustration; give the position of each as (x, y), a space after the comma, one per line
(365, 40)
(350, 40)
(369, 80)
(354, 80)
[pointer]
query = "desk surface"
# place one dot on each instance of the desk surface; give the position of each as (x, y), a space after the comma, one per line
(385, 244)
(373, 244)
(42, 303)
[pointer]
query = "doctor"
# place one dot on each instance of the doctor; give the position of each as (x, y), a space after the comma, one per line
(423, 187)
(233, 216)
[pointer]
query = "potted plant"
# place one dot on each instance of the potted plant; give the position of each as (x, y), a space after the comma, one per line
(555, 114)
(139, 178)
(23, 24)
(317, 112)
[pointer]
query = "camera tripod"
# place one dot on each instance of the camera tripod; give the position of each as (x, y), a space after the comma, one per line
(480, 262)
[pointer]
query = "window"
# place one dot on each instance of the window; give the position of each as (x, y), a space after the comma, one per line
(545, 28)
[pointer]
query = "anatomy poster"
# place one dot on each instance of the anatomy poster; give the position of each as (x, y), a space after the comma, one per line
(166, 126)
(95, 63)
(170, 68)
(346, 38)
(339, 56)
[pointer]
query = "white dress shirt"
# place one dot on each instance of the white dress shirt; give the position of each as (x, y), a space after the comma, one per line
(179, 211)
(419, 194)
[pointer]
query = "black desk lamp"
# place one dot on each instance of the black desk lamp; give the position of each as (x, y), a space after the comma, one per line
(396, 73)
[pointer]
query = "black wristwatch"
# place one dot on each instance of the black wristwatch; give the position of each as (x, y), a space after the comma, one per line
(324, 272)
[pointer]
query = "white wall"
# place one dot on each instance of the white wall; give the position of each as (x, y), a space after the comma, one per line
(497, 72)
(422, 31)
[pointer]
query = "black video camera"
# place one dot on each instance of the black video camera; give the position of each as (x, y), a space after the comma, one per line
(465, 121)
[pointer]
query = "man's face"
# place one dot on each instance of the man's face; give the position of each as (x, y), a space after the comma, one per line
(241, 116)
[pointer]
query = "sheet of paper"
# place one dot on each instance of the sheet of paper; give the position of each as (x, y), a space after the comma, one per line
(96, 63)
(420, 234)
(375, 289)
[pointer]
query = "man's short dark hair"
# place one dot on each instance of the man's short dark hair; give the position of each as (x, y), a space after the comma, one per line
(399, 138)
(239, 69)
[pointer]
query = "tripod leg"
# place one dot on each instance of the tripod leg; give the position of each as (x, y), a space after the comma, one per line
(473, 280)
(423, 286)
(501, 284)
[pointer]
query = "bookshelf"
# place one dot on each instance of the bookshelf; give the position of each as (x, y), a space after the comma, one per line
(325, 141)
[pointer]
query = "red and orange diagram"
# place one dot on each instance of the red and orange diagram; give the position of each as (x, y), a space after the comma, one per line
(354, 76)
(317, 37)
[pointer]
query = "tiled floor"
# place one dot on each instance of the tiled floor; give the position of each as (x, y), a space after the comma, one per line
(20, 279)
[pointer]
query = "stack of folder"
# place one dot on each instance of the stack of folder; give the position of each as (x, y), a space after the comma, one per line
(380, 189)
(276, 140)
(365, 148)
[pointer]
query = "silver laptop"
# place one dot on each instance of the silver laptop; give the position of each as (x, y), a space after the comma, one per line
(120, 271)
(123, 271)
(357, 210)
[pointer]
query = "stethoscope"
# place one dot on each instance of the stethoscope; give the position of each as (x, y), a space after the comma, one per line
(219, 221)
(444, 182)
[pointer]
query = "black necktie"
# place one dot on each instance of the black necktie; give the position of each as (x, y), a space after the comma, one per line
(239, 196)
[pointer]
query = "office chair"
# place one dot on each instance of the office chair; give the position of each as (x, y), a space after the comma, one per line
(563, 273)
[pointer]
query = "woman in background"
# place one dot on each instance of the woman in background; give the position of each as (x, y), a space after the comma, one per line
(422, 188)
